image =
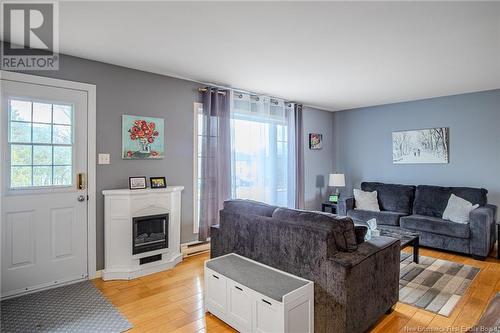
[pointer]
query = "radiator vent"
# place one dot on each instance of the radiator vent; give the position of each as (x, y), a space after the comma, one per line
(147, 260)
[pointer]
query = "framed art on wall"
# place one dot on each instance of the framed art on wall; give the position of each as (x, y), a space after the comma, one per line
(142, 138)
(421, 146)
(315, 141)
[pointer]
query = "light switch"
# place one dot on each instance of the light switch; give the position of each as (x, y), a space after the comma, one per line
(103, 159)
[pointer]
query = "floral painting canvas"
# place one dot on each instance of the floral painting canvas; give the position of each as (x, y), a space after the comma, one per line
(315, 141)
(142, 137)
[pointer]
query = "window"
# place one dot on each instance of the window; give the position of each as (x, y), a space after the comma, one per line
(198, 119)
(261, 169)
(262, 151)
(40, 142)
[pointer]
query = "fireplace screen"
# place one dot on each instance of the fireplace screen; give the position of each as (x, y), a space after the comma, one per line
(149, 233)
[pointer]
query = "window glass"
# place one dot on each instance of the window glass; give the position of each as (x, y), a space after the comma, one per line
(40, 143)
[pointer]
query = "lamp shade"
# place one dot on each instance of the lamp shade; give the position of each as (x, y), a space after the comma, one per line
(336, 180)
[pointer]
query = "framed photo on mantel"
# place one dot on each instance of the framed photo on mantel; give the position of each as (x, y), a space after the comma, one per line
(137, 183)
(158, 182)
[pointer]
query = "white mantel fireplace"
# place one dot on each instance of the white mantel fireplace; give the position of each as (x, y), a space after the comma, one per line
(141, 231)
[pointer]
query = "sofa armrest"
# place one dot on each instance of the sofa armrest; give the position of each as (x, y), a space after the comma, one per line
(344, 205)
(215, 244)
(482, 227)
(364, 251)
(364, 283)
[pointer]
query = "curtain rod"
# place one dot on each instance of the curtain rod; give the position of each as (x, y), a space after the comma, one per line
(206, 89)
(241, 92)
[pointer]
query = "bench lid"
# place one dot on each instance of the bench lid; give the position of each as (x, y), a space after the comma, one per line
(260, 278)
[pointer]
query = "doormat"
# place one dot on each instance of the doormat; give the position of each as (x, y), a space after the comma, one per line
(75, 308)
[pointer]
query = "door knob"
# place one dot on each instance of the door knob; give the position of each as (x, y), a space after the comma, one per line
(81, 198)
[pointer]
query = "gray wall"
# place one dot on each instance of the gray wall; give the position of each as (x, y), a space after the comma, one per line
(121, 91)
(318, 164)
(125, 91)
(363, 142)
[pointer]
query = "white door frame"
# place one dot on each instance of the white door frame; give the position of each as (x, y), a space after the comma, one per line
(90, 89)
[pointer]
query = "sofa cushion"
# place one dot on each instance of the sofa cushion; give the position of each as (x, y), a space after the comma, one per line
(249, 207)
(342, 228)
(392, 197)
(458, 209)
(366, 200)
(388, 218)
(435, 225)
(432, 200)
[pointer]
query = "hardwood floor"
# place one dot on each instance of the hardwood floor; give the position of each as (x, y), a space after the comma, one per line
(172, 301)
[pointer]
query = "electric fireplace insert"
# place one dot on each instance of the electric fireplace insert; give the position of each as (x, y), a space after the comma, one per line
(149, 233)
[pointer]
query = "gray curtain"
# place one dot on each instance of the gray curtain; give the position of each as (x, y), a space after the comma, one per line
(299, 158)
(215, 186)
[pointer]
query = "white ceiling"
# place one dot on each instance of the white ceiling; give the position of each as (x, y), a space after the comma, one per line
(333, 55)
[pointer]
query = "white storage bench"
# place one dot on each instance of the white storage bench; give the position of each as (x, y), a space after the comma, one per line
(252, 297)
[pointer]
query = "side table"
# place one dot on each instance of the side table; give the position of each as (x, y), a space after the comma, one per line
(331, 205)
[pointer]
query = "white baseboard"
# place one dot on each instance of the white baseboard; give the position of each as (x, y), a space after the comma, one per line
(98, 274)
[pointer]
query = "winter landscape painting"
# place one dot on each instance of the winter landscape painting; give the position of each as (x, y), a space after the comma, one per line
(420, 146)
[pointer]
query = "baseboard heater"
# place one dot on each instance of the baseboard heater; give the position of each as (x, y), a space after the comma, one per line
(194, 248)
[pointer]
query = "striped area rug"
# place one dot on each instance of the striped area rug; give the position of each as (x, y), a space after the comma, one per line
(435, 285)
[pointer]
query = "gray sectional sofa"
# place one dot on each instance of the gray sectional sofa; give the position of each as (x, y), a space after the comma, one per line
(355, 282)
(420, 208)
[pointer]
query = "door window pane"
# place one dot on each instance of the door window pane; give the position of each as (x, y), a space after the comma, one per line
(62, 175)
(20, 132)
(62, 155)
(20, 176)
(42, 155)
(42, 113)
(62, 114)
(42, 176)
(40, 143)
(41, 133)
(62, 134)
(20, 154)
(20, 110)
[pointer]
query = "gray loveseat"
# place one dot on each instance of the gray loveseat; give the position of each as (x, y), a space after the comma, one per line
(420, 208)
(355, 282)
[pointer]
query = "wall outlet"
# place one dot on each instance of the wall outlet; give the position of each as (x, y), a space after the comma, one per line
(103, 159)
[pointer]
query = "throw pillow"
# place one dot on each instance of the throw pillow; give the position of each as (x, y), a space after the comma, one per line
(366, 200)
(458, 209)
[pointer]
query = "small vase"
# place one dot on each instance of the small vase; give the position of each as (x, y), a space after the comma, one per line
(144, 146)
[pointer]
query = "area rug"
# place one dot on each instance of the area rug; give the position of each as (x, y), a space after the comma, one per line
(76, 308)
(435, 285)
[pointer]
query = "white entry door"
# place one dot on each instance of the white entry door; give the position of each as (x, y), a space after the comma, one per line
(44, 195)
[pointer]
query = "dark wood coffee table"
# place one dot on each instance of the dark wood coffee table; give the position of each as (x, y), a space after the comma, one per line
(406, 237)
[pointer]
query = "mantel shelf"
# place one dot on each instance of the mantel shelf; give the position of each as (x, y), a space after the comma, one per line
(127, 191)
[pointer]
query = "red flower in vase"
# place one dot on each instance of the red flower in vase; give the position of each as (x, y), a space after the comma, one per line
(143, 130)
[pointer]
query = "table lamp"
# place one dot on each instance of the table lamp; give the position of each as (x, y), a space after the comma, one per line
(336, 180)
